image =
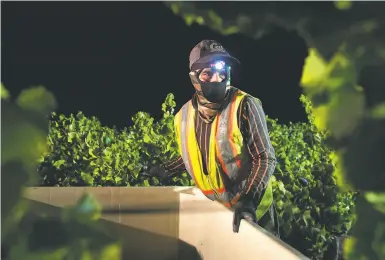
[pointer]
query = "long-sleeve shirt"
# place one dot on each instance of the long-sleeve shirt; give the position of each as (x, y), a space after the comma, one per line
(252, 123)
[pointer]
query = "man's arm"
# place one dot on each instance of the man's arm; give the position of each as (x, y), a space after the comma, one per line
(168, 169)
(254, 130)
(175, 166)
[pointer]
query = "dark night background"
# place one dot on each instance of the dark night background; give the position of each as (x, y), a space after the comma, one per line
(111, 60)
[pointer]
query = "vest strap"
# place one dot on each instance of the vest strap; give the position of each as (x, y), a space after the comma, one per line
(266, 202)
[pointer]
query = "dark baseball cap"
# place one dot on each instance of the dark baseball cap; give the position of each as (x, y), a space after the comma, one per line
(208, 51)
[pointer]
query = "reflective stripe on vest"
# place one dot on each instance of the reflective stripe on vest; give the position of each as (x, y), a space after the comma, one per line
(225, 151)
(266, 201)
(231, 153)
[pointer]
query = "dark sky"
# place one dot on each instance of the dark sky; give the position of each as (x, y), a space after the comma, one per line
(113, 59)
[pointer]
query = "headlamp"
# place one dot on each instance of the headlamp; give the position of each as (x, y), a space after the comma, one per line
(218, 65)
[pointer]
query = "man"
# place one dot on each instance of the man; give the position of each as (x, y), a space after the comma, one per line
(224, 141)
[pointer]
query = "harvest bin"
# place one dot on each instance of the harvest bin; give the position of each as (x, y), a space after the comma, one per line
(168, 223)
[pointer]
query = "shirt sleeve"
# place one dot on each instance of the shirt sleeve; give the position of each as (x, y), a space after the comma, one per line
(175, 166)
(254, 129)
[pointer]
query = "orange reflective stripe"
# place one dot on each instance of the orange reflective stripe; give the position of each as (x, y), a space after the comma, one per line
(229, 137)
(235, 199)
(209, 192)
(227, 204)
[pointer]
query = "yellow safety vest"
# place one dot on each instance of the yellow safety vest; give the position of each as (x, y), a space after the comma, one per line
(228, 157)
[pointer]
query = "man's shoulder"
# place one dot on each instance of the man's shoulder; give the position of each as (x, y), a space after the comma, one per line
(188, 103)
(248, 98)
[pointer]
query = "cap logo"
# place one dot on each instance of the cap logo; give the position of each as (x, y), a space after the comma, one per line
(216, 47)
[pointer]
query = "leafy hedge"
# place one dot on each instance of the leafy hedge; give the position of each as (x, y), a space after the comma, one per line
(83, 152)
(312, 211)
(25, 232)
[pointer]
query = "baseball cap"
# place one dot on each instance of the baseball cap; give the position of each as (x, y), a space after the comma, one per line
(207, 51)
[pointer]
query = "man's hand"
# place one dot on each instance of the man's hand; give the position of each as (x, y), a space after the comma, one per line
(243, 209)
(156, 171)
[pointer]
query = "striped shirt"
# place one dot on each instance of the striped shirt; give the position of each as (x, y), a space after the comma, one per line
(252, 123)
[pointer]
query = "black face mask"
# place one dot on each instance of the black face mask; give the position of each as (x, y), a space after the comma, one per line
(214, 92)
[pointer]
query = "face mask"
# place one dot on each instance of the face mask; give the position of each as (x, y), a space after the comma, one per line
(214, 92)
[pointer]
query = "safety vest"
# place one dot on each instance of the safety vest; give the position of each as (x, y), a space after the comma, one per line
(227, 152)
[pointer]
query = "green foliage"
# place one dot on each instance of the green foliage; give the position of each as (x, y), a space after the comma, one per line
(82, 152)
(343, 39)
(312, 210)
(23, 140)
(26, 234)
(359, 135)
(37, 99)
(370, 224)
(80, 235)
(4, 92)
(324, 26)
(85, 153)
(209, 18)
(343, 4)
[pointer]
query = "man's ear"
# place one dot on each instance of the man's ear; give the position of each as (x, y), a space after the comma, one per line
(194, 80)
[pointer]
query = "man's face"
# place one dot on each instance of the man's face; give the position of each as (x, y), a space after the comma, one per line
(211, 75)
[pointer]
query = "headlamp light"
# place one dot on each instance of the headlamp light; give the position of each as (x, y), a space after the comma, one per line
(218, 65)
